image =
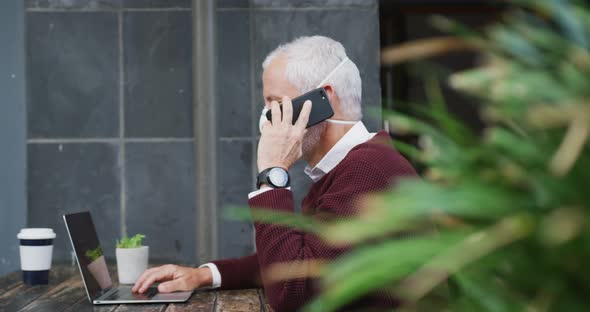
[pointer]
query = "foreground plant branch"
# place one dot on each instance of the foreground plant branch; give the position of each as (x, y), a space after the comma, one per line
(510, 206)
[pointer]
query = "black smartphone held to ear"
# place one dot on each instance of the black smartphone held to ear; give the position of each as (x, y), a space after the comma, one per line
(321, 108)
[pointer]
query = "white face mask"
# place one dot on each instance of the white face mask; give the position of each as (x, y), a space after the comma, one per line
(340, 122)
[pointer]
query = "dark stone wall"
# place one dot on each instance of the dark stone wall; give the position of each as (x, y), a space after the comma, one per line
(110, 121)
(109, 111)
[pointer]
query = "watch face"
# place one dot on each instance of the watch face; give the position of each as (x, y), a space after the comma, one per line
(278, 177)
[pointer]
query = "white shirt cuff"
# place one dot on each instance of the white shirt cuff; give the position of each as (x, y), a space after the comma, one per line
(215, 273)
(262, 190)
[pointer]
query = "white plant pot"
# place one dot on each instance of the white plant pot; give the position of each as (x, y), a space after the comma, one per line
(98, 269)
(131, 262)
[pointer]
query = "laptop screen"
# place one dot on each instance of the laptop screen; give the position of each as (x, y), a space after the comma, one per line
(88, 253)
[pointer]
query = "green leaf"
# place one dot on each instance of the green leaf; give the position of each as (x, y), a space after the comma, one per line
(131, 242)
(373, 267)
(268, 216)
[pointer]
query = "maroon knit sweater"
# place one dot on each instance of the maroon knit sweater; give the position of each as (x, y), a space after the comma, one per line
(369, 167)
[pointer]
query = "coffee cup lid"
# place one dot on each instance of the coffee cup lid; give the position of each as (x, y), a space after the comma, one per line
(36, 233)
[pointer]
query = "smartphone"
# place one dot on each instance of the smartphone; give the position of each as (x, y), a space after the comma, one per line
(321, 108)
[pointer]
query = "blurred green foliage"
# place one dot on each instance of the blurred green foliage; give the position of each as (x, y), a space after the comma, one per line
(511, 207)
(131, 242)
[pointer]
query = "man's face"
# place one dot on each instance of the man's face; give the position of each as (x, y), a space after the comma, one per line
(275, 85)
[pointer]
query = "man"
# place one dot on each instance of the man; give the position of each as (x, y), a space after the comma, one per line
(344, 160)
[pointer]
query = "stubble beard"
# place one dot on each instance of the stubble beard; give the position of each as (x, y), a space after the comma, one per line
(311, 139)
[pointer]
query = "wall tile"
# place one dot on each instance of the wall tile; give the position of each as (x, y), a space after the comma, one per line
(233, 74)
(72, 77)
(158, 79)
(312, 3)
(233, 3)
(73, 4)
(157, 3)
(160, 202)
(66, 178)
(357, 30)
(236, 181)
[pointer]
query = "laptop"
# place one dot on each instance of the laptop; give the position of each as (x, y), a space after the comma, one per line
(95, 274)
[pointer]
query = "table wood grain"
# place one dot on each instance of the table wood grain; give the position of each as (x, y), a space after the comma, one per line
(65, 292)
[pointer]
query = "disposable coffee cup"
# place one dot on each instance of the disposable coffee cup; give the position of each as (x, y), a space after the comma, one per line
(36, 250)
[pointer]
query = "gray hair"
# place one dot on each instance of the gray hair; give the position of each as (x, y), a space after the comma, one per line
(311, 59)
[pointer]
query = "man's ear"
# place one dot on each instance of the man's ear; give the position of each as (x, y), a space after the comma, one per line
(333, 97)
(329, 91)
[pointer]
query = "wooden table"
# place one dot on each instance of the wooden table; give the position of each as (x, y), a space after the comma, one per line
(65, 292)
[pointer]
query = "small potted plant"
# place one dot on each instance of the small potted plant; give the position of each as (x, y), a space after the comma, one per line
(132, 258)
(98, 267)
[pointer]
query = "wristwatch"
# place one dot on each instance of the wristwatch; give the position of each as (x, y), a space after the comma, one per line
(275, 177)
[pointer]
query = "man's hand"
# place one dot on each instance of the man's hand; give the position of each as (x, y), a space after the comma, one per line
(280, 142)
(175, 278)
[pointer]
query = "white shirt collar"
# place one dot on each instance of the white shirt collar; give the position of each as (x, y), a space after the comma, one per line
(358, 134)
